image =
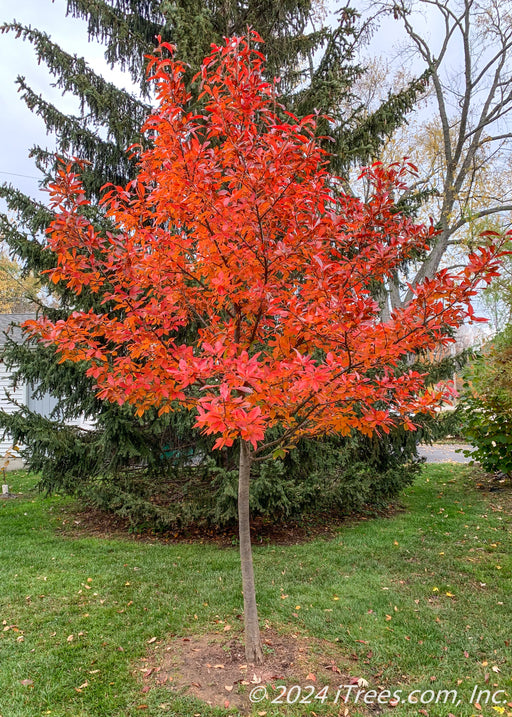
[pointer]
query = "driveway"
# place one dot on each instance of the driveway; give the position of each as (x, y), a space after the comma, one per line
(444, 453)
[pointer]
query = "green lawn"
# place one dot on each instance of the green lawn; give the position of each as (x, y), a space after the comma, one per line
(418, 601)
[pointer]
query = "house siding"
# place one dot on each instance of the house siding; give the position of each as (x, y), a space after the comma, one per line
(19, 395)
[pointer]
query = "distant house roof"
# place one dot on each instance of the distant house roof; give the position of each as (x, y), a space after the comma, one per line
(6, 321)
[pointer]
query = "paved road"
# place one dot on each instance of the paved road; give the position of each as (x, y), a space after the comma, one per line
(441, 453)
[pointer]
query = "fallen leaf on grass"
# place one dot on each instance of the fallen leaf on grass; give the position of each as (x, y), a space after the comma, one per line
(228, 687)
(311, 677)
(151, 640)
(27, 683)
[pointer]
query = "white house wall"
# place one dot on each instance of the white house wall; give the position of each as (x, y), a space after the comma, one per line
(23, 396)
(19, 394)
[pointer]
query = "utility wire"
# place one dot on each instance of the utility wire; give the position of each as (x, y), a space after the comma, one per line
(14, 174)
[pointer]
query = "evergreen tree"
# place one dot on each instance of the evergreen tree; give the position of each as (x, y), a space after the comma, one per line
(316, 68)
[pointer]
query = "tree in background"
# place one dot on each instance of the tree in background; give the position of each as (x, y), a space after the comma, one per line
(459, 138)
(462, 149)
(233, 227)
(18, 291)
(497, 298)
(316, 69)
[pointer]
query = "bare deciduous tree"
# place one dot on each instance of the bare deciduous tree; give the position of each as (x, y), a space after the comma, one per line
(470, 62)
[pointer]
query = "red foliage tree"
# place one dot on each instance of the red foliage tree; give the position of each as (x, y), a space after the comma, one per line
(234, 227)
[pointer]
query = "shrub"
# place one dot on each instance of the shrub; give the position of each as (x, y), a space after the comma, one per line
(330, 475)
(487, 404)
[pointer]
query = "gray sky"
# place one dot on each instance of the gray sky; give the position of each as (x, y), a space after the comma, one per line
(20, 129)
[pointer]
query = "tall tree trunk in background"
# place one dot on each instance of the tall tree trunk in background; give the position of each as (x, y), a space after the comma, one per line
(253, 651)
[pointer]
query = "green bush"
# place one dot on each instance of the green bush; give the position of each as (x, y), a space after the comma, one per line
(487, 405)
(331, 475)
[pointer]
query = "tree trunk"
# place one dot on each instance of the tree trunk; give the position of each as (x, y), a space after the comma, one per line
(253, 651)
